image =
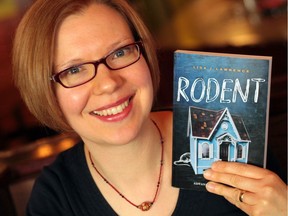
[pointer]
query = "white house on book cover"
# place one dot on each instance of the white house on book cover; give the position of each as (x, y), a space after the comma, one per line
(216, 135)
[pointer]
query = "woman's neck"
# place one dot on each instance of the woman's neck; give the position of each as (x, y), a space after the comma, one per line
(138, 158)
(134, 170)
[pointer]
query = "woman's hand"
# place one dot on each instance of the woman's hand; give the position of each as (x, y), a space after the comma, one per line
(255, 190)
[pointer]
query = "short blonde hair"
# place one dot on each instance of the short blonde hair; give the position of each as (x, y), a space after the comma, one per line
(34, 46)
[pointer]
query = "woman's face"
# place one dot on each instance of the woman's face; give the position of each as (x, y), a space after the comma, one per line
(89, 36)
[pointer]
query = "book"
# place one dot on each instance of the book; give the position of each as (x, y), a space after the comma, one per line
(220, 112)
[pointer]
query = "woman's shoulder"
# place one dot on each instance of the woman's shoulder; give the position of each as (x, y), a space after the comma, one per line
(54, 182)
(63, 165)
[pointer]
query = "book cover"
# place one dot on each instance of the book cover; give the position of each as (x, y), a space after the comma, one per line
(220, 112)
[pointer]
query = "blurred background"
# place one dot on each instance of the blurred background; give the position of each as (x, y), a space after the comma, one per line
(256, 27)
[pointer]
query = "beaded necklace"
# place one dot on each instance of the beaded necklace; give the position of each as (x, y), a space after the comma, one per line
(144, 206)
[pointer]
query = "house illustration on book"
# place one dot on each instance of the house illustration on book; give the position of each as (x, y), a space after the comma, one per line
(214, 136)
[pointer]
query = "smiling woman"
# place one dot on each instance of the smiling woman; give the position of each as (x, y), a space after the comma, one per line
(90, 67)
(37, 91)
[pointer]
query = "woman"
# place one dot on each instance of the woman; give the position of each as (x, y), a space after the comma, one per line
(89, 66)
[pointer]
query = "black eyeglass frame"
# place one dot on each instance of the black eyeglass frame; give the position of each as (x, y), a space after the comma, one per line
(56, 77)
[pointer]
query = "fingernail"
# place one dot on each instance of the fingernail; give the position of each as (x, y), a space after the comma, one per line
(210, 186)
(207, 173)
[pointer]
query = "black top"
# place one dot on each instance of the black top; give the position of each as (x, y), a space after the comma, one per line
(66, 187)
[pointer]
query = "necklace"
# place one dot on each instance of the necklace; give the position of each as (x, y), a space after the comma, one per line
(145, 206)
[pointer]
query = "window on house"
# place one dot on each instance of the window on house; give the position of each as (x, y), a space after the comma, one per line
(205, 150)
(239, 151)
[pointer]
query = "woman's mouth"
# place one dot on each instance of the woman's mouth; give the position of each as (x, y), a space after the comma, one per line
(112, 110)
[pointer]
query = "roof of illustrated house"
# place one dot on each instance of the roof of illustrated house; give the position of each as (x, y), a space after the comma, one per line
(204, 122)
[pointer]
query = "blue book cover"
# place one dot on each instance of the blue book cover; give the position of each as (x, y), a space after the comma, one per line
(220, 112)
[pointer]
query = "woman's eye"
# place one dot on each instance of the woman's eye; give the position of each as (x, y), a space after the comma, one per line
(74, 70)
(121, 52)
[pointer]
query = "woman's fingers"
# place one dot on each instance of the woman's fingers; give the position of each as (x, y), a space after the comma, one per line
(255, 190)
(243, 169)
(235, 195)
(233, 180)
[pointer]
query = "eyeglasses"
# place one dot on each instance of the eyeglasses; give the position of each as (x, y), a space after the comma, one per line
(83, 73)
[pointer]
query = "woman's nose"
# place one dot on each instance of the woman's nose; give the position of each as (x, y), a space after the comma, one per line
(106, 81)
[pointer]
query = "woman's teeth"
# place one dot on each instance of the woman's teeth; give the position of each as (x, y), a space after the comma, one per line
(112, 111)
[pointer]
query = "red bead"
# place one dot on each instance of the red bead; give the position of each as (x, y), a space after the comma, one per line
(145, 206)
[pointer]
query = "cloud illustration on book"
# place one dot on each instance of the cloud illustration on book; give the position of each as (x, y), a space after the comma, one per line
(184, 160)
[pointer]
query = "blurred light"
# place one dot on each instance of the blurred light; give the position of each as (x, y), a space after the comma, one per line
(8, 8)
(66, 143)
(44, 151)
(244, 39)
